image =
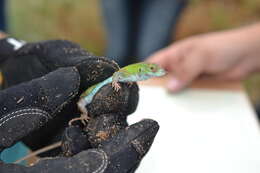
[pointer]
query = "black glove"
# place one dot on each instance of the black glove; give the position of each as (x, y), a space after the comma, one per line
(48, 103)
(37, 59)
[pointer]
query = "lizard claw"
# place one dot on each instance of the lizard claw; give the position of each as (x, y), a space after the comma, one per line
(116, 86)
(130, 84)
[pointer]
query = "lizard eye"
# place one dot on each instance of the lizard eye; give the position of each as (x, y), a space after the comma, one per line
(153, 69)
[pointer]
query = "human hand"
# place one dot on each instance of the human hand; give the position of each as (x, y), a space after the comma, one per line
(228, 55)
(49, 103)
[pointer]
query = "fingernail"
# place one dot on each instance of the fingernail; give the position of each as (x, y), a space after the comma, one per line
(174, 85)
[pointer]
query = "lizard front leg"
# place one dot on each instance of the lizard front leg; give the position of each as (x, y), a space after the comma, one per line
(115, 79)
(116, 86)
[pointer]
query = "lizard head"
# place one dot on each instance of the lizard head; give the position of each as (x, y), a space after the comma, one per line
(153, 70)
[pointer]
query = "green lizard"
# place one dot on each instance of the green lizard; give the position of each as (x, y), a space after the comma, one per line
(128, 74)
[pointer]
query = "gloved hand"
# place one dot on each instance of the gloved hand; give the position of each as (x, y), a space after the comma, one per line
(48, 103)
(33, 60)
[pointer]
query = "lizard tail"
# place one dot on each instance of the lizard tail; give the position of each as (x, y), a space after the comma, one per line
(37, 152)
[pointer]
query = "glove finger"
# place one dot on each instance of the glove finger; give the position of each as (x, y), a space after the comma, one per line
(121, 154)
(107, 100)
(126, 149)
(74, 140)
(62, 53)
(30, 105)
(90, 161)
(104, 127)
(37, 59)
(77, 138)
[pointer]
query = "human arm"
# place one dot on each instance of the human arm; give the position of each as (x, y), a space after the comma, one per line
(226, 55)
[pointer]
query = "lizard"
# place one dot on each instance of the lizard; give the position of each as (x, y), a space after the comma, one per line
(128, 74)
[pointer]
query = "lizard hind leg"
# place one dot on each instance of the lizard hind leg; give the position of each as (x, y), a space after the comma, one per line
(84, 114)
(83, 118)
(76, 119)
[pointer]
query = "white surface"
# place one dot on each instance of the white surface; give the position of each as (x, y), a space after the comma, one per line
(201, 131)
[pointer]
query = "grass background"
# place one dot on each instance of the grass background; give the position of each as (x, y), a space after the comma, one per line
(81, 21)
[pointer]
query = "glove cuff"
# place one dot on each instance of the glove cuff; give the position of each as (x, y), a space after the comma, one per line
(8, 46)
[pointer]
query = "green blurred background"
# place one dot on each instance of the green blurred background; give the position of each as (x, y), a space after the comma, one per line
(81, 21)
